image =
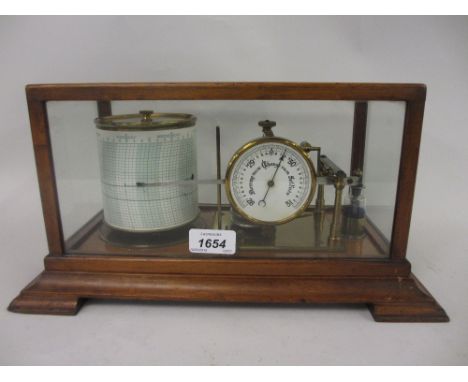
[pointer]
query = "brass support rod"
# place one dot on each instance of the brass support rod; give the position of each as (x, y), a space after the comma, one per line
(319, 219)
(335, 228)
(319, 215)
(320, 201)
(218, 175)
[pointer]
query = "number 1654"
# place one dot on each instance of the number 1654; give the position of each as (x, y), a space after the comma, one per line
(209, 243)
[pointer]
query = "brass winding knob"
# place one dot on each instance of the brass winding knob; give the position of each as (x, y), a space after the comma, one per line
(267, 125)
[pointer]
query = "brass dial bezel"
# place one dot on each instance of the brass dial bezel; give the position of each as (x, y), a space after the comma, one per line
(249, 145)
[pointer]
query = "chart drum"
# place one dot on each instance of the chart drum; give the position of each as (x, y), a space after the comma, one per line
(148, 168)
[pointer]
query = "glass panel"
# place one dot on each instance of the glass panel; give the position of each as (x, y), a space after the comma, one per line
(76, 163)
(132, 191)
(382, 160)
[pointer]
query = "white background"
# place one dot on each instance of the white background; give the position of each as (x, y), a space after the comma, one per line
(432, 50)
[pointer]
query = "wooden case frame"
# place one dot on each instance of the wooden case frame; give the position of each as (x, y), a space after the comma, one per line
(387, 286)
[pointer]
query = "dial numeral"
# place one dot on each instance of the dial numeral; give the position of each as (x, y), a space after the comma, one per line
(250, 163)
(291, 162)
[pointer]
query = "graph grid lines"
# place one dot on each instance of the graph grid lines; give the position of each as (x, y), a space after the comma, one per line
(134, 164)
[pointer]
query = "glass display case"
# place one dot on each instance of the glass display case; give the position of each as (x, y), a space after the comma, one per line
(314, 180)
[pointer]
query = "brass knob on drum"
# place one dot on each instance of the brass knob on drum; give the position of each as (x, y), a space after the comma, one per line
(146, 115)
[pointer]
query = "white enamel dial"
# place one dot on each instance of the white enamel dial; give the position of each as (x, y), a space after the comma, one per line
(270, 181)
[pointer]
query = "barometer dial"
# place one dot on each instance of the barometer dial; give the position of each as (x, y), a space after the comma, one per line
(270, 181)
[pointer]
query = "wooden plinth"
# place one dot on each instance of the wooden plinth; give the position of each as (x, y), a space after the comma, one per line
(390, 299)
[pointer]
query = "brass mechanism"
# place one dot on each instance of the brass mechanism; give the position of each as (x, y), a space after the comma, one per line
(328, 174)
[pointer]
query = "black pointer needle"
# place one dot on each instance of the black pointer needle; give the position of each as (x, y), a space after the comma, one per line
(270, 183)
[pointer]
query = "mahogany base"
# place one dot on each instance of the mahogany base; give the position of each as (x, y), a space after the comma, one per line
(390, 299)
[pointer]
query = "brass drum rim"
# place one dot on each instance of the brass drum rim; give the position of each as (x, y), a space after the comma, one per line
(253, 143)
(180, 120)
